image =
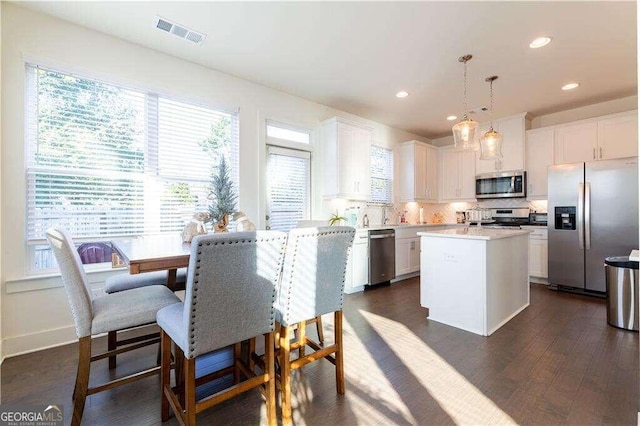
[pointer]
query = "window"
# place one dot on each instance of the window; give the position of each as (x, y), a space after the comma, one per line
(288, 176)
(381, 175)
(107, 161)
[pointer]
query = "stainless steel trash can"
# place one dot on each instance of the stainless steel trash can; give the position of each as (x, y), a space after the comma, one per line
(622, 292)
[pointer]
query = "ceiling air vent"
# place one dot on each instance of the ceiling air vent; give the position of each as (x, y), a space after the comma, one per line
(179, 30)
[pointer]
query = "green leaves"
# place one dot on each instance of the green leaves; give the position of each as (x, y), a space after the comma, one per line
(223, 199)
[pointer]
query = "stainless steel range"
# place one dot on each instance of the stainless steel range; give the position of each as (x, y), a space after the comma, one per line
(509, 217)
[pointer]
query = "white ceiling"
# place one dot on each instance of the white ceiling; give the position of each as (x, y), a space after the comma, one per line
(354, 56)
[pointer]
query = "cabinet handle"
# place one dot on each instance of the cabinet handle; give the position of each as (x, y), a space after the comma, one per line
(594, 153)
(601, 153)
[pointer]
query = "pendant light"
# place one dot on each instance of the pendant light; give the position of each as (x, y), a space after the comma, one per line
(464, 132)
(491, 142)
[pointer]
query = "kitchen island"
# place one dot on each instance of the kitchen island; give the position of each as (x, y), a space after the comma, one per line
(475, 279)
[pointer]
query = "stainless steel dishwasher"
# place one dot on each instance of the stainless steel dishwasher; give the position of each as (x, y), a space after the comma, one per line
(382, 256)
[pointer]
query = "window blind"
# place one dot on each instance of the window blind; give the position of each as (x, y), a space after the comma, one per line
(288, 175)
(104, 160)
(381, 175)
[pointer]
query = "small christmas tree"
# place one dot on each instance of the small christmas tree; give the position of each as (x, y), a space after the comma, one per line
(223, 199)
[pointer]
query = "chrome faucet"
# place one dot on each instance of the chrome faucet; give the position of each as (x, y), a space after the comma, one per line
(384, 215)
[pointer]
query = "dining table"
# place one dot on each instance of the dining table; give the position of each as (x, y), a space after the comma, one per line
(150, 253)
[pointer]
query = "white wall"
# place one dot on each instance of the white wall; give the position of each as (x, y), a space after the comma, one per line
(40, 317)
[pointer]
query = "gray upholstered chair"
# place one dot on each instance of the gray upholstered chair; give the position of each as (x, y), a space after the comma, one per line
(229, 299)
(126, 281)
(111, 312)
(312, 285)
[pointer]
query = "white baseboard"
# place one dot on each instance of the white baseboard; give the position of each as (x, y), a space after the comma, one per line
(19, 345)
(507, 319)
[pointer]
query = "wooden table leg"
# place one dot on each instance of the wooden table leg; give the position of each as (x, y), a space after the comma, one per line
(171, 279)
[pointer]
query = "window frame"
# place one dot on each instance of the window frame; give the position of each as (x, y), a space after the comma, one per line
(151, 149)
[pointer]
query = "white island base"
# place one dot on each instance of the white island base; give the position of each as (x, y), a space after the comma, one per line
(474, 279)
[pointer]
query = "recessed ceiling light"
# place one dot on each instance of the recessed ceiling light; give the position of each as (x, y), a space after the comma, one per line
(402, 94)
(452, 117)
(570, 86)
(539, 42)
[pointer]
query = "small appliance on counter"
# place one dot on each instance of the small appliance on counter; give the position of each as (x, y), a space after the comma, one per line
(460, 217)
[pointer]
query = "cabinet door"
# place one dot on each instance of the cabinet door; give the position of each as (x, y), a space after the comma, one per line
(406, 172)
(402, 256)
(618, 137)
(513, 134)
(420, 168)
(539, 157)
(361, 163)
(360, 264)
(345, 170)
(449, 173)
(431, 174)
(414, 254)
(538, 258)
(467, 168)
(576, 143)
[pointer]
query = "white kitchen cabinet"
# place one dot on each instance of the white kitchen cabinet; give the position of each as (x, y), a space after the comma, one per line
(417, 175)
(538, 254)
(358, 264)
(618, 137)
(513, 144)
(576, 143)
(346, 146)
(408, 250)
(539, 149)
(601, 138)
(457, 175)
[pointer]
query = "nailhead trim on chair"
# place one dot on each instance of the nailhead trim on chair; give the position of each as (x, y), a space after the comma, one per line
(295, 250)
(197, 274)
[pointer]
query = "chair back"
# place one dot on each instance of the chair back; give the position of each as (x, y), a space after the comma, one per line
(313, 273)
(74, 279)
(231, 288)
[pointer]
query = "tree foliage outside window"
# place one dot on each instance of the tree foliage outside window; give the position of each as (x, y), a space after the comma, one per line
(106, 161)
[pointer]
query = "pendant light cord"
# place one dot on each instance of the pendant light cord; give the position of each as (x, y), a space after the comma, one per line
(490, 80)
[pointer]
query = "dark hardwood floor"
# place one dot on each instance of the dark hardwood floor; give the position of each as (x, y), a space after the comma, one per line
(557, 362)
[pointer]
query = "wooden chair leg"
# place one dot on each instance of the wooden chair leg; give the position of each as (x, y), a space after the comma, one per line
(179, 372)
(270, 388)
(285, 374)
(337, 329)
(252, 350)
(82, 379)
(320, 330)
(237, 353)
(190, 391)
(112, 344)
(165, 373)
(301, 336)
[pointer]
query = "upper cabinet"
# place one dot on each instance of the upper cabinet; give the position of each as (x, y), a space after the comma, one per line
(539, 149)
(513, 136)
(602, 138)
(347, 157)
(457, 175)
(417, 172)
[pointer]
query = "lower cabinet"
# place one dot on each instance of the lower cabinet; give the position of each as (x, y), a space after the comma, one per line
(358, 264)
(407, 256)
(538, 255)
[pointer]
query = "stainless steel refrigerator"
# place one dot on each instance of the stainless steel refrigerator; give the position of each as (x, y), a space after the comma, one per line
(592, 214)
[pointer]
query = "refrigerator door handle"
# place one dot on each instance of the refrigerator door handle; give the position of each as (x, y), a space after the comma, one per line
(587, 215)
(580, 214)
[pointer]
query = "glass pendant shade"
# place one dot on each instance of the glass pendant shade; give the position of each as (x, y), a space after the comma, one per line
(464, 133)
(491, 145)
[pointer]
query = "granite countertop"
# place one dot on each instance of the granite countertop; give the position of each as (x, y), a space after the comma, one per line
(475, 233)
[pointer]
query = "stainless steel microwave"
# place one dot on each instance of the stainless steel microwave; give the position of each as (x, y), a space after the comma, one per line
(502, 185)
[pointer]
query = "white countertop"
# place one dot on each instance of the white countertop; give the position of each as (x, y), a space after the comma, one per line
(475, 233)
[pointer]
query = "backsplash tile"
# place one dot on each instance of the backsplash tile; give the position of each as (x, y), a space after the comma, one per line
(430, 210)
